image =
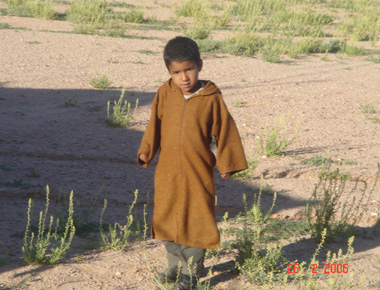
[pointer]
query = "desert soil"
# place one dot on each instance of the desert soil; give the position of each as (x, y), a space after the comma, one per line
(53, 133)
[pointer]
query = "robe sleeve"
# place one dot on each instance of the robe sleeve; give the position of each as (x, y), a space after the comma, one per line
(150, 142)
(230, 154)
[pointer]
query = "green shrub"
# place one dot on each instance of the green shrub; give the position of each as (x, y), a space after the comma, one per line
(33, 8)
(5, 26)
(101, 82)
(353, 50)
(69, 102)
(371, 113)
(265, 266)
(272, 51)
(244, 43)
(118, 236)
(326, 200)
(363, 26)
(274, 140)
(89, 12)
(352, 5)
(324, 162)
(133, 16)
(199, 30)
(257, 263)
(335, 45)
(208, 45)
(90, 16)
(48, 247)
(122, 113)
(224, 18)
(194, 8)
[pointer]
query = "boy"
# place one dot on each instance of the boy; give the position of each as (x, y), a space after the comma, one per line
(186, 114)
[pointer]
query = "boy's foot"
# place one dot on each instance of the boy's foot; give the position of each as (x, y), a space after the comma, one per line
(169, 276)
(186, 282)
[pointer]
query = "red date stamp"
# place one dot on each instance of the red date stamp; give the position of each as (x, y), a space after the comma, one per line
(327, 268)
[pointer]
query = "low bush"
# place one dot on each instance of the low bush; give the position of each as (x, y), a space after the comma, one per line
(274, 139)
(48, 245)
(328, 211)
(122, 113)
(33, 8)
(119, 236)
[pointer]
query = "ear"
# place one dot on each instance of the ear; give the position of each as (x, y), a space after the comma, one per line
(200, 65)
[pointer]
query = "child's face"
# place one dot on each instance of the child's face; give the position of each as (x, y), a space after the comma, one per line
(185, 75)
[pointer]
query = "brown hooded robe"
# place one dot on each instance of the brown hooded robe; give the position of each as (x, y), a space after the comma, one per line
(184, 197)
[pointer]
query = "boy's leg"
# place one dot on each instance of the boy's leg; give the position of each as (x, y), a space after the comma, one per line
(184, 254)
(196, 257)
(173, 270)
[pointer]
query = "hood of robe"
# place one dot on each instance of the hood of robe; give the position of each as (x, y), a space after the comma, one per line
(209, 89)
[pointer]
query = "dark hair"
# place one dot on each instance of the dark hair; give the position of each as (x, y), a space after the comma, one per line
(180, 49)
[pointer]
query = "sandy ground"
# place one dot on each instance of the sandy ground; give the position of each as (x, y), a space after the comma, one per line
(52, 125)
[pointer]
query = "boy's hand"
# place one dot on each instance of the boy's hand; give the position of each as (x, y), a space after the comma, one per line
(142, 156)
(226, 175)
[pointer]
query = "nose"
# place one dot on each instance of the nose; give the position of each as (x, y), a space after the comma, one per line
(185, 76)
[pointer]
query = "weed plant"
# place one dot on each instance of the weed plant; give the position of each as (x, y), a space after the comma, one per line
(69, 102)
(223, 19)
(292, 32)
(3, 11)
(265, 266)
(352, 49)
(33, 8)
(274, 140)
(47, 246)
(353, 5)
(101, 82)
(259, 264)
(198, 30)
(122, 114)
(5, 26)
(362, 27)
(310, 279)
(255, 214)
(322, 161)
(371, 113)
(95, 16)
(118, 236)
(326, 201)
(134, 15)
(197, 9)
(248, 43)
(263, 263)
(95, 12)
(81, 219)
(245, 43)
(374, 57)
